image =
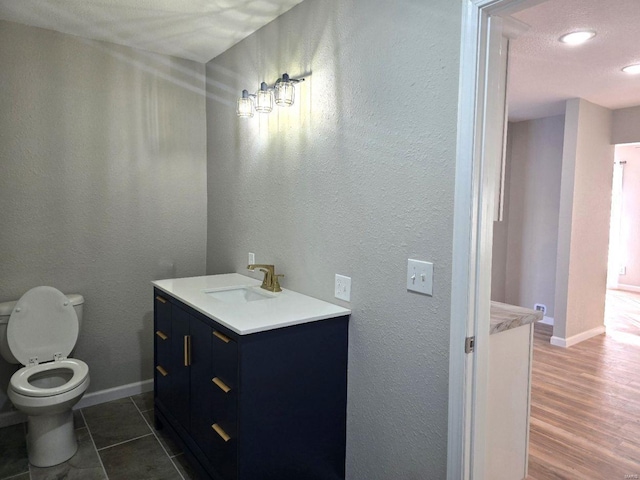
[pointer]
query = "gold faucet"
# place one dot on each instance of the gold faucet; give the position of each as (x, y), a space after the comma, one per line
(270, 281)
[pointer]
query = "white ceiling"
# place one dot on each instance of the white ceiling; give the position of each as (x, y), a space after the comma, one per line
(544, 72)
(195, 29)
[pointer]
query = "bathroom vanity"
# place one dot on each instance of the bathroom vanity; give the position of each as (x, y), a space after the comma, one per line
(251, 384)
(509, 390)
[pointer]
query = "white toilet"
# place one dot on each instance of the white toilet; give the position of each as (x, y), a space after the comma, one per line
(39, 331)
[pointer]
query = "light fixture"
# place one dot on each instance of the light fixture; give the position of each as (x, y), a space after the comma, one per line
(576, 38)
(632, 69)
(263, 99)
(245, 105)
(285, 91)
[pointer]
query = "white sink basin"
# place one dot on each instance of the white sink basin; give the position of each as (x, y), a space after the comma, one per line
(240, 295)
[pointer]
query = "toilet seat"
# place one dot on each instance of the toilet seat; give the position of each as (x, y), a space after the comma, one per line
(20, 380)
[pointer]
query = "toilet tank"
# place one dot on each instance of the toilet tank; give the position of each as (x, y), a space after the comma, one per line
(6, 308)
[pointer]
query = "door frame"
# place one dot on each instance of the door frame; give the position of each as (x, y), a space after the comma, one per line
(472, 239)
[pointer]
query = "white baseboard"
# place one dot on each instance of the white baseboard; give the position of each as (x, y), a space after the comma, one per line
(103, 396)
(94, 398)
(581, 337)
(627, 288)
(547, 320)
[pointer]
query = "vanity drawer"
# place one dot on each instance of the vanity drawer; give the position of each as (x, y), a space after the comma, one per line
(225, 359)
(162, 346)
(224, 449)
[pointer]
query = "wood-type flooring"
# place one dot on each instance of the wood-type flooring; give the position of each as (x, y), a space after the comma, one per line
(585, 400)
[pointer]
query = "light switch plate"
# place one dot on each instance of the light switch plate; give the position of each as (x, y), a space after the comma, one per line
(343, 288)
(420, 276)
(252, 258)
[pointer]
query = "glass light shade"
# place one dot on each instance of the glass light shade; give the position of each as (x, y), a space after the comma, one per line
(264, 99)
(285, 94)
(245, 106)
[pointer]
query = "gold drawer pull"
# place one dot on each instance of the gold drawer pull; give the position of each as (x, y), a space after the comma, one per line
(160, 299)
(161, 334)
(223, 386)
(162, 371)
(187, 350)
(221, 432)
(222, 337)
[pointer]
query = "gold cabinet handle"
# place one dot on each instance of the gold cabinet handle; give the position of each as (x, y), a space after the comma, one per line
(187, 350)
(160, 299)
(223, 386)
(161, 334)
(221, 336)
(221, 432)
(162, 371)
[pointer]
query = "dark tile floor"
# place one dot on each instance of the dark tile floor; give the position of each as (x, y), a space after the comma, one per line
(116, 441)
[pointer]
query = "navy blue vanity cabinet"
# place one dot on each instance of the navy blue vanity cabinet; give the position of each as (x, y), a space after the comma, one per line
(264, 406)
(162, 350)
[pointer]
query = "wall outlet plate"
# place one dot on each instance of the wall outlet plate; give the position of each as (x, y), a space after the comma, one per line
(343, 288)
(420, 276)
(252, 258)
(540, 307)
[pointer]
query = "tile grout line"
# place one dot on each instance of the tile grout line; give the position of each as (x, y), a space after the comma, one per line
(154, 434)
(16, 475)
(106, 476)
(123, 442)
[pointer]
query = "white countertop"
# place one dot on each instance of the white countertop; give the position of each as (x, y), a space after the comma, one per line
(286, 308)
(505, 317)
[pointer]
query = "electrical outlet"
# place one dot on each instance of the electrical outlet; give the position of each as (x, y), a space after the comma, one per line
(540, 308)
(622, 271)
(252, 258)
(343, 288)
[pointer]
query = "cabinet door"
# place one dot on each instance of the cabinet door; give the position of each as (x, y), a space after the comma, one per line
(180, 365)
(162, 346)
(201, 384)
(224, 406)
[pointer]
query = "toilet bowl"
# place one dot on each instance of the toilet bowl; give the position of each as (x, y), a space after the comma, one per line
(41, 332)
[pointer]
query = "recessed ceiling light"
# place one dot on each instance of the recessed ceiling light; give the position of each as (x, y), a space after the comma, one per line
(632, 69)
(576, 38)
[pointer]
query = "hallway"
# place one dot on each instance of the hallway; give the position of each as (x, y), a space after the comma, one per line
(585, 400)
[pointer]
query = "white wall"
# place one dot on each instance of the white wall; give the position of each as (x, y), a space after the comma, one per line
(626, 125)
(583, 233)
(354, 179)
(628, 251)
(102, 186)
(524, 255)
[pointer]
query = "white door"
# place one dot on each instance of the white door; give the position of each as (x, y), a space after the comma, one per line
(481, 129)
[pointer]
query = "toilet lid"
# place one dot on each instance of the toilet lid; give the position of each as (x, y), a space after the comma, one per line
(42, 324)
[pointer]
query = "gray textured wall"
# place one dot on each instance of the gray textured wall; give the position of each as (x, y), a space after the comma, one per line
(526, 249)
(102, 185)
(354, 179)
(585, 212)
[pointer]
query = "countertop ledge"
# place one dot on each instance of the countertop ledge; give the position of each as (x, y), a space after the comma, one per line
(505, 317)
(287, 308)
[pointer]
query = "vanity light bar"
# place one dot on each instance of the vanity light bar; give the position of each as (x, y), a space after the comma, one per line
(282, 93)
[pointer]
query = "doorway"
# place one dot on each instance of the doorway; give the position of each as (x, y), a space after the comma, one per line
(476, 249)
